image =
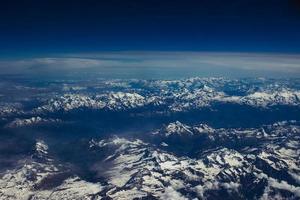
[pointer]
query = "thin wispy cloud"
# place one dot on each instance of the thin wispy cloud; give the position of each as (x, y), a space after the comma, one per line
(159, 62)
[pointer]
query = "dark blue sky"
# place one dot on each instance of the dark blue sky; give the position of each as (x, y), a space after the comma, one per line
(37, 27)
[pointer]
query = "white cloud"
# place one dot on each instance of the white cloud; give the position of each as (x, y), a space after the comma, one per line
(231, 186)
(171, 194)
(283, 185)
(295, 176)
(277, 184)
(158, 62)
(201, 189)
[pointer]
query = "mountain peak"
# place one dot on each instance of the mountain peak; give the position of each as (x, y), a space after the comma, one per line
(177, 128)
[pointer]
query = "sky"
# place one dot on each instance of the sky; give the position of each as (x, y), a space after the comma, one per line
(56, 30)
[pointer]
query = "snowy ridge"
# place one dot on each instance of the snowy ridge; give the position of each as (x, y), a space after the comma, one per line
(137, 169)
(270, 98)
(19, 183)
(181, 129)
(141, 170)
(111, 101)
(31, 121)
(8, 109)
(197, 98)
(177, 128)
(178, 95)
(37, 176)
(121, 100)
(70, 102)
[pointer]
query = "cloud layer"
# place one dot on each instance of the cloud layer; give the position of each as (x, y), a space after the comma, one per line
(152, 64)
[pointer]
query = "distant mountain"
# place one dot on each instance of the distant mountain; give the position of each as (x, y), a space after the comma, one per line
(197, 138)
(176, 96)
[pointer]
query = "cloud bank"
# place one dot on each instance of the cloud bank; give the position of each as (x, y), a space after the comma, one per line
(155, 64)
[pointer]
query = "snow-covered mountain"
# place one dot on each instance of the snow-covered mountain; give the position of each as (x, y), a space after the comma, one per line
(179, 129)
(269, 98)
(111, 101)
(135, 169)
(177, 96)
(70, 102)
(197, 138)
(31, 121)
(139, 169)
(40, 176)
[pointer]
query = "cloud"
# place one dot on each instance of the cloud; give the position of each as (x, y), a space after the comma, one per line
(171, 194)
(276, 184)
(295, 176)
(159, 63)
(231, 186)
(201, 189)
(283, 185)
